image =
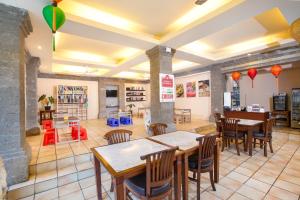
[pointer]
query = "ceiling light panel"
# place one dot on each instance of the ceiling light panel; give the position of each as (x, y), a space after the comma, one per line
(78, 70)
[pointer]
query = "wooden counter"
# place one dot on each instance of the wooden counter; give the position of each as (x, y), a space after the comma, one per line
(262, 116)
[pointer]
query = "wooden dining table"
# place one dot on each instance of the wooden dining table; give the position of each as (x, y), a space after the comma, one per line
(123, 161)
(247, 125)
(186, 142)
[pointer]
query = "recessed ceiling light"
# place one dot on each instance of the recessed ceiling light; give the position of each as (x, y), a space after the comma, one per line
(249, 54)
(200, 2)
(39, 47)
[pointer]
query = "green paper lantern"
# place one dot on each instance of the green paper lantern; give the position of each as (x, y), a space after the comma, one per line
(55, 18)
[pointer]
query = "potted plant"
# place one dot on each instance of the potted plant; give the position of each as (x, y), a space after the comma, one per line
(130, 106)
(46, 101)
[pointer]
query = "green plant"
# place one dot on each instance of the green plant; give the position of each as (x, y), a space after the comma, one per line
(130, 106)
(46, 101)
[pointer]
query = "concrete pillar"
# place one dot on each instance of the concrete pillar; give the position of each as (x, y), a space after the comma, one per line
(218, 87)
(15, 26)
(32, 126)
(160, 62)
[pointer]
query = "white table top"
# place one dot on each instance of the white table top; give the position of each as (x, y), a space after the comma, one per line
(249, 122)
(184, 140)
(126, 155)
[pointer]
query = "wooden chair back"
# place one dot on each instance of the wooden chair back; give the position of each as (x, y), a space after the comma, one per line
(206, 148)
(217, 117)
(269, 127)
(158, 128)
(118, 136)
(229, 124)
(159, 169)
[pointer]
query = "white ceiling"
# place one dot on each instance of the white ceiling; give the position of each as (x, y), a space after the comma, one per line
(109, 38)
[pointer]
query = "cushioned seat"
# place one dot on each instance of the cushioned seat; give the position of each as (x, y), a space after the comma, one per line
(193, 162)
(138, 184)
(232, 134)
(258, 134)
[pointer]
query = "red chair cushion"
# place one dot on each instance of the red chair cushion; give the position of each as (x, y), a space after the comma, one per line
(83, 133)
(47, 124)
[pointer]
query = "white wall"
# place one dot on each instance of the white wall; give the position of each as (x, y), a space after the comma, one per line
(46, 86)
(201, 106)
(262, 92)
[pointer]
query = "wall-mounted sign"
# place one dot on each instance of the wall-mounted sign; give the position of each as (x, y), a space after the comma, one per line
(191, 89)
(167, 88)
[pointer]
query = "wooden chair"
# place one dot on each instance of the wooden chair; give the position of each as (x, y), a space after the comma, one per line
(230, 132)
(265, 136)
(203, 161)
(156, 182)
(158, 128)
(218, 117)
(114, 137)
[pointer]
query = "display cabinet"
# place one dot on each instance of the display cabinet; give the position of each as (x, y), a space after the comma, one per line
(295, 106)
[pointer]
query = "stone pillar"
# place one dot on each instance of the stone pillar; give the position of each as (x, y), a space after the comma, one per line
(32, 126)
(218, 87)
(15, 26)
(160, 62)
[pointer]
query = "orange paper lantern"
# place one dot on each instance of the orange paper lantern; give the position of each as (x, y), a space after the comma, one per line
(236, 76)
(276, 70)
(252, 73)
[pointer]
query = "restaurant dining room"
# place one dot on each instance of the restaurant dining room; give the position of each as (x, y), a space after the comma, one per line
(150, 99)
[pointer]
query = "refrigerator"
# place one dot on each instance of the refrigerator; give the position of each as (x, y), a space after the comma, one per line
(295, 107)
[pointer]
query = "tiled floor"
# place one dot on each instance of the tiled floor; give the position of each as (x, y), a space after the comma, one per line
(242, 177)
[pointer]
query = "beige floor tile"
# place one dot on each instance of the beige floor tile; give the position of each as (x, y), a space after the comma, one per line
(72, 196)
(230, 183)
(208, 196)
(258, 185)
(89, 192)
(237, 196)
(283, 194)
(244, 171)
(238, 177)
(269, 179)
(47, 195)
(289, 178)
(67, 189)
(85, 183)
(251, 193)
(221, 191)
(291, 187)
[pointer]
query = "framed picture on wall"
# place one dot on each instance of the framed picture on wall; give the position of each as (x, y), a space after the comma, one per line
(179, 90)
(191, 89)
(203, 88)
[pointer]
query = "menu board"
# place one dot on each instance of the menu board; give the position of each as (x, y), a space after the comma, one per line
(167, 88)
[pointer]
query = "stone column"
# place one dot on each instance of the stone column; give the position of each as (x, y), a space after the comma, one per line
(160, 62)
(15, 26)
(218, 87)
(32, 126)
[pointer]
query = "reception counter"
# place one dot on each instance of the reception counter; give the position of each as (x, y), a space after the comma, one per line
(262, 116)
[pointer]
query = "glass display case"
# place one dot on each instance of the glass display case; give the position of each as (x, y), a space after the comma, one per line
(280, 102)
(295, 122)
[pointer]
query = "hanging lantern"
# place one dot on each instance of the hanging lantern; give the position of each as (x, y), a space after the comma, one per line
(236, 76)
(276, 70)
(252, 73)
(55, 18)
(295, 30)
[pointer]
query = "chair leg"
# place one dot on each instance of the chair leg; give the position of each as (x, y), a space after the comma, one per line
(194, 175)
(261, 144)
(237, 146)
(211, 177)
(223, 143)
(170, 195)
(265, 148)
(244, 141)
(111, 185)
(270, 144)
(198, 184)
(254, 143)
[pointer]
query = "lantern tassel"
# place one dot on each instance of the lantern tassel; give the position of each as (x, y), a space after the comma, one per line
(252, 83)
(53, 41)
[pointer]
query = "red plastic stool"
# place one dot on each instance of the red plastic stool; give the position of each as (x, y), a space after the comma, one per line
(47, 124)
(49, 138)
(83, 133)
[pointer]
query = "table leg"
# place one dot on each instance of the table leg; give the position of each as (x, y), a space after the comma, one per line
(250, 132)
(98, 177)
(185, 178)
(119, 188)
(217, 162)
(177, 175)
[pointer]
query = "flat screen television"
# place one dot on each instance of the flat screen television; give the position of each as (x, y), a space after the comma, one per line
(111, 93)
